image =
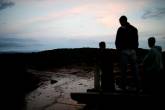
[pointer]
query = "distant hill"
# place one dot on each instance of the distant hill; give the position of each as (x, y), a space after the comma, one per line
(60, 57)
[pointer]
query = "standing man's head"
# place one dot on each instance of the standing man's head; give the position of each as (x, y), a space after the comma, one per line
(102, 45)
(151, 42)
(123, 20)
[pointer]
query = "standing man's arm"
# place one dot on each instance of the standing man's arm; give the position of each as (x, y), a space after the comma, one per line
(117, 41)
(136, 39)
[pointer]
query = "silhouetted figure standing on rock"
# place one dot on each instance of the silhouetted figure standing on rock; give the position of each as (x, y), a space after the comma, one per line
(106, 68)
(103, 76)
(127, 43)
(153, 68)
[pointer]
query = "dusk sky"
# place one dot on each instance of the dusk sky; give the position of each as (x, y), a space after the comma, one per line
(47, 24)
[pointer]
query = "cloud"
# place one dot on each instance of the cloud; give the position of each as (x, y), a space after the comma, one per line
(154, 13)
(5, 4)
(105, 12)
(101, 15)
(8, 44)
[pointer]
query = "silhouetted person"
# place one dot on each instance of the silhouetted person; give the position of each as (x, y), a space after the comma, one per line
(106, 68)
(153, 68)
(127, 43)
(103, 76)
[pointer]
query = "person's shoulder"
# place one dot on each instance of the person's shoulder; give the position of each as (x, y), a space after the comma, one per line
(133, 27)
(120, 28)
(158, 48)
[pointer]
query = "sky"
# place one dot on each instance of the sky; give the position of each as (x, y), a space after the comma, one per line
(31, 25)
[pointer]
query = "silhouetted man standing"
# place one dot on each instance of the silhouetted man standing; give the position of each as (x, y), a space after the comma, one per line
(106, 68)
(153, 68)
(103, 76)
(127, 43)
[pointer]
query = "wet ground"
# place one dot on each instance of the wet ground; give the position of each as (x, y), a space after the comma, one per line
(54, 91)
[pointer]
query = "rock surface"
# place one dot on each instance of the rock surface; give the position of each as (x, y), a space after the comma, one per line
(56, 96)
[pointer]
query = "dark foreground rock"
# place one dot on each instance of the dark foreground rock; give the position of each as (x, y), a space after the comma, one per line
(17, 82)
(107, 101)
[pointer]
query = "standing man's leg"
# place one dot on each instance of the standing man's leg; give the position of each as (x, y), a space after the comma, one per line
(124, 63)
(135, 69)
(97, 78)
(107, 81)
